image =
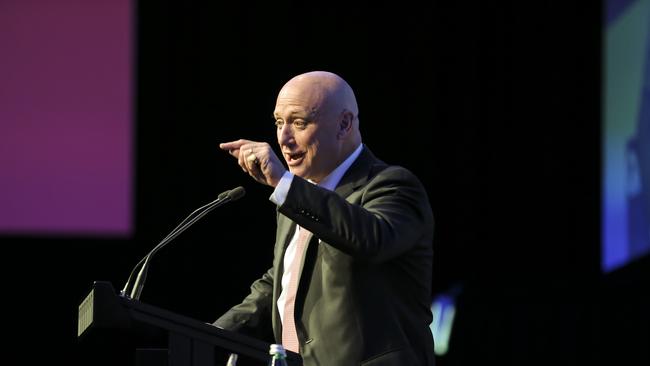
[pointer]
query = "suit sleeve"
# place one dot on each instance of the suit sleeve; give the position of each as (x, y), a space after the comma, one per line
(256, 305)
(391, 215)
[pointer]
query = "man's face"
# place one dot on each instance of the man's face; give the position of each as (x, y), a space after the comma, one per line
(306, 133)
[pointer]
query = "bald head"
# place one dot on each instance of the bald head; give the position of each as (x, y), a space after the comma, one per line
(327, 128)
(324, 92)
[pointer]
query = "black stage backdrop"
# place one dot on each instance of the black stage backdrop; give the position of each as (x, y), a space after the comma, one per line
(496, 107)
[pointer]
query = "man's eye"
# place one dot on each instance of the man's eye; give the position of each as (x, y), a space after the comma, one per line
(300, 123)
(279, 123)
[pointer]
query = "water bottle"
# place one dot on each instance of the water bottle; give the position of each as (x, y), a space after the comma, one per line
(232, 360)
(278, 355)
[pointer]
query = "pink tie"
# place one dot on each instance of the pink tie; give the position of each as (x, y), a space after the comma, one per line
(289, 335)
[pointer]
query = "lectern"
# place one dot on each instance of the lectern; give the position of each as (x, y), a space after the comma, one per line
(189, 342)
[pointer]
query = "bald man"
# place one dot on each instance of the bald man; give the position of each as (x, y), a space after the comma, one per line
(351, 277)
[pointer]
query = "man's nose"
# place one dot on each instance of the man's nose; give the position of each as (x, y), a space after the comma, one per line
(285, 134)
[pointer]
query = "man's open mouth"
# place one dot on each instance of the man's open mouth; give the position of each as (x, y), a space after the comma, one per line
(295, 158)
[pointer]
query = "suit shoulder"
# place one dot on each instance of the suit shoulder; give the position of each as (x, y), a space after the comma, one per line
(397, 172)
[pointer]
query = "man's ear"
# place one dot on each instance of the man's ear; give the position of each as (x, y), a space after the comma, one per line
(345, 125)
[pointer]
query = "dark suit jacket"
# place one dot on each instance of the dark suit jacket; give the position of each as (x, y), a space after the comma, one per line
(364, 292)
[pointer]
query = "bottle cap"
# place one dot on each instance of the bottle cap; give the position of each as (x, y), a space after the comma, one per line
(277, 348)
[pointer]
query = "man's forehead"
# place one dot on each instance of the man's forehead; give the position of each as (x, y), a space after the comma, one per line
(295, 110)
(291, 100)
(305, 92)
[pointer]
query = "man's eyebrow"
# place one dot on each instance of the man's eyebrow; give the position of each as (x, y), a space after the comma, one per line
(293, 115)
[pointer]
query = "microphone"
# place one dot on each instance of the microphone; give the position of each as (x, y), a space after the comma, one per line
(136, 290)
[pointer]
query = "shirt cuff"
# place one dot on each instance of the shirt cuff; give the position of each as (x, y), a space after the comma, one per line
(279, 195)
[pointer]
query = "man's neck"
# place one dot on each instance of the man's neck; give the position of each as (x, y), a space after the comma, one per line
(332, 180)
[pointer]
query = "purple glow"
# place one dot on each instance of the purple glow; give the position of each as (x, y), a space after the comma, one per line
(65, 117)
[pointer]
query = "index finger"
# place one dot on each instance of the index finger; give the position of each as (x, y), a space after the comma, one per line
(232, 145)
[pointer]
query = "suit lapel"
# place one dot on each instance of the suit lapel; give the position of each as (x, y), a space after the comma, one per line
(358, 173)
(286, 229)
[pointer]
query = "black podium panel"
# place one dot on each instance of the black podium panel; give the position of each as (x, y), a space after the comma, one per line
(111, 327)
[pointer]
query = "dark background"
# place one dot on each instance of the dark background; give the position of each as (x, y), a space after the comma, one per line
(496, 107)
